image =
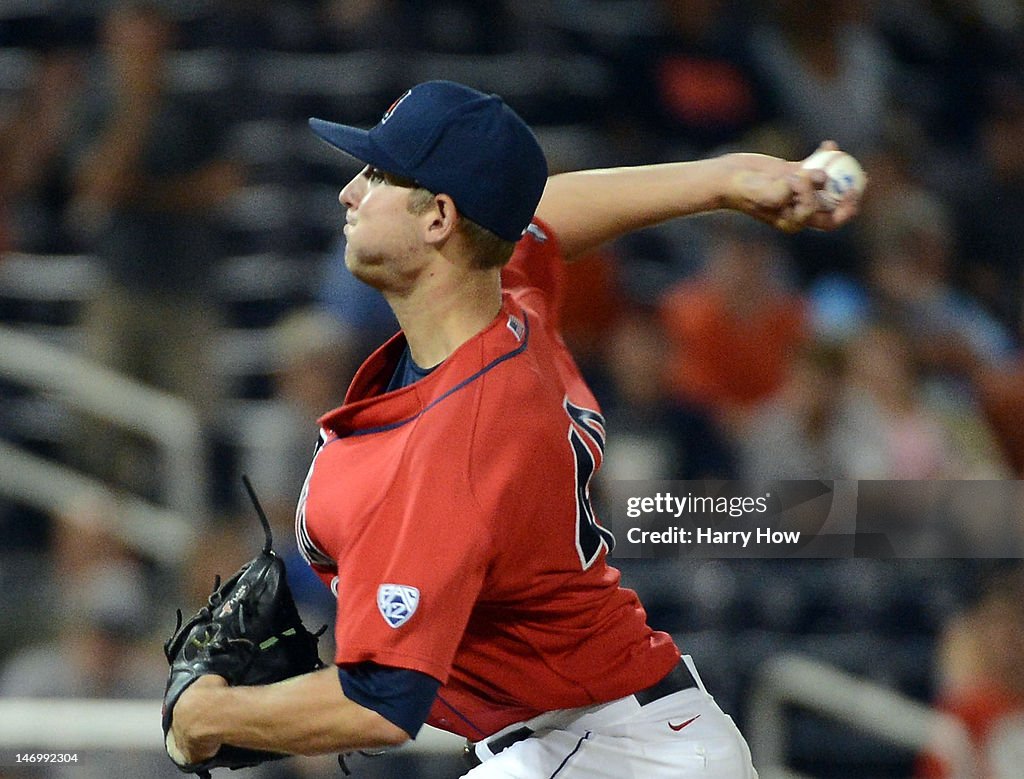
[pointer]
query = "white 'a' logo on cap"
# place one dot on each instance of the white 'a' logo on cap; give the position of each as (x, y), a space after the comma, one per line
(393, 106)
(397, 603)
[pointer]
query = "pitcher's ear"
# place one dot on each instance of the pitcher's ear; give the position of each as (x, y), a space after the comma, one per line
(445, 218)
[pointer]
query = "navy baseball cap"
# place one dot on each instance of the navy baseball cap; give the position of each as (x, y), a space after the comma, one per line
(453, 140)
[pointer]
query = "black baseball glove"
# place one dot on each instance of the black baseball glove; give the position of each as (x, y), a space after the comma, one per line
(249, 632)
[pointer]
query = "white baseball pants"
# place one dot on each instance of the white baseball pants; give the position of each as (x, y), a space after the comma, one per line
(680, 736)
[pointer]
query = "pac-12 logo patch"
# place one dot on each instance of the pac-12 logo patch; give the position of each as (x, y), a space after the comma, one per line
(397, 603)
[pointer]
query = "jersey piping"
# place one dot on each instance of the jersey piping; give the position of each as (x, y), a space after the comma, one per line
(461, 385)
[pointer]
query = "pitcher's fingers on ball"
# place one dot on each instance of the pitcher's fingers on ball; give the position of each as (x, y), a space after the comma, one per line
(844, 176)
(804, 184)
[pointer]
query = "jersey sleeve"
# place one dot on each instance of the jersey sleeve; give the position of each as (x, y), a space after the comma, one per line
(402, 697)
(537, 267)
(414, 575)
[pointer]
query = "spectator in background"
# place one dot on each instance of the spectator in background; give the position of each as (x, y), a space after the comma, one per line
(734, 330)
(91, 633)
(1001, 397)
(792, 434)
(97, 653)
(990, 216)
(886, 429)
(103, 648)
(980, 669)
(313, 354)
(32, 193)
(148, 177)
(654, 437)
(965, 357)
(958, 359)
(809, 48)
(691, 86)
(911, 253)
(945, 50)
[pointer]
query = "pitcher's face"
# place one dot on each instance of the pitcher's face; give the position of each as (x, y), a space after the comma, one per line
(382, 237)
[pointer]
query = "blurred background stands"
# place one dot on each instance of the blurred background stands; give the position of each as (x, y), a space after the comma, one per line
(932, 95)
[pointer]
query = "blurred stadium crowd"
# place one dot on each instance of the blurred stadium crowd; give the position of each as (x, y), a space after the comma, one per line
(165, 211)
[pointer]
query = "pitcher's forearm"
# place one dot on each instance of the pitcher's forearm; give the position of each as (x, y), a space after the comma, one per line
(304, 715)
(588, 208)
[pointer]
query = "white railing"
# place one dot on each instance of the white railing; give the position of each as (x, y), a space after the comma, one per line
(161, 534)
(792, 680)
(168, 421)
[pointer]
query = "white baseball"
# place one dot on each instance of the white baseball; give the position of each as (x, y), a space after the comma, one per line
(844, 174)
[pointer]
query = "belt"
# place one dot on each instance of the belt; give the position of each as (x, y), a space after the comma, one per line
(678, 679)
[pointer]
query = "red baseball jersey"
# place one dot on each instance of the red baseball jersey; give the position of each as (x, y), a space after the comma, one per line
(452, 520)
